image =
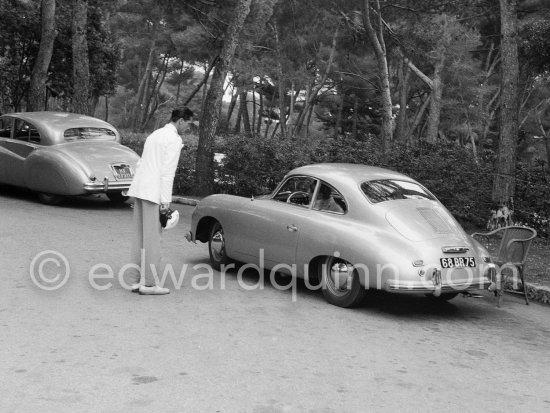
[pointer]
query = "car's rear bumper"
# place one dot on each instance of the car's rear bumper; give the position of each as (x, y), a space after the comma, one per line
(441, 282)
(106, 186)
(428, 287)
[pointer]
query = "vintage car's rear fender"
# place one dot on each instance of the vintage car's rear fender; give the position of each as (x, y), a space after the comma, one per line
(372, 249)
(52, 171)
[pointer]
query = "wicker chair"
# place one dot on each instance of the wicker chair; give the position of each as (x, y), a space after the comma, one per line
(508, 247)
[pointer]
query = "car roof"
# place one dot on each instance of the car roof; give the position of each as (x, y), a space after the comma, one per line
(66, 119)
(54, 124)
(344, 173)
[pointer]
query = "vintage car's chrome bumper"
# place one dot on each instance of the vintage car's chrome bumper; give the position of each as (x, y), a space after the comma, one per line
(438, 285)
(429, 287)
(106, 186)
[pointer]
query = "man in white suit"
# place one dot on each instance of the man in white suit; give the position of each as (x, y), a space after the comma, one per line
(152, 190)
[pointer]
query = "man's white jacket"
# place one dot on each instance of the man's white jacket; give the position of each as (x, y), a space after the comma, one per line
(156, 169)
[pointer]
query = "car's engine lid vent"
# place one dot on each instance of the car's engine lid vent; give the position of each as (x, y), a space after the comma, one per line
(434, 219)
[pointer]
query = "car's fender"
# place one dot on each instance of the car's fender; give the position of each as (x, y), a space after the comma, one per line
(52, 171)
(371, 248)
(219, 207)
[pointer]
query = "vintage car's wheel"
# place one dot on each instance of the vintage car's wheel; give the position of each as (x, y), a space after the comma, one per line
(117, 197)
(216, 247)
(50, 199)
(340, 283)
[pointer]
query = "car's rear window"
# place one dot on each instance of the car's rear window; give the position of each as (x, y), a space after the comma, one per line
(390, 189)
(74, 134)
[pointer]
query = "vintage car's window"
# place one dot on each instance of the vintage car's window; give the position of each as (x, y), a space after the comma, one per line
(391, 189)
(329, 199)
(297, 190)
(25, 131)
(89, 133)
(5, 127)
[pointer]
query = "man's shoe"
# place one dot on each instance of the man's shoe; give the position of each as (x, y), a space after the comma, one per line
(135, 287)
(153, 290)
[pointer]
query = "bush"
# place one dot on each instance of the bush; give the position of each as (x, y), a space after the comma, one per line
(532, 199)
(255, 166)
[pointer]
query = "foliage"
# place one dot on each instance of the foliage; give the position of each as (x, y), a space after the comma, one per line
(532, 201)
(255, 166)
(19, 40)
(448, 170)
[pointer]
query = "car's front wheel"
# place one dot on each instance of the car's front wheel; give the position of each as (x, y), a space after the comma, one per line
(216, 247)
(340, 283)
(50, 199)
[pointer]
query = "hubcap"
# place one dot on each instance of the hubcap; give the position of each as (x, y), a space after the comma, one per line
(217, 245)
(341, 276)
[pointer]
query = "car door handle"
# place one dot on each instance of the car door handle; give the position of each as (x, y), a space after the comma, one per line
(292, 228)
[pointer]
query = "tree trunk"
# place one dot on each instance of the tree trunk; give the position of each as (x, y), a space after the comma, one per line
(404, 75)
(281, 83)
(338, 127)
(313, 92)
(355, 109)
(260, 110)
(417, 119)
(154, 93)
(37, 90)
(204, 178)
(202, 82)
(231, 108)
(143, 85)
(379, 46)
(504, 183)
(81, 65)
(244, 112)
(435, 101)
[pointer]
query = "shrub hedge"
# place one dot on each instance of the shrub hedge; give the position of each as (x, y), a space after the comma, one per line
(462, 183)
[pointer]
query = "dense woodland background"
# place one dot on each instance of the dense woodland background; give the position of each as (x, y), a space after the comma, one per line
(453, 93)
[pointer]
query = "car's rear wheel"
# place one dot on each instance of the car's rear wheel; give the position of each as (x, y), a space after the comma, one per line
(340, 283)
(50, 199)
(216, 247)
(117, 197)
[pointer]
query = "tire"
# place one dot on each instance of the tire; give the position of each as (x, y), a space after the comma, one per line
(442, 297)
(216, 247)
(50, 199)
(117, 197)
(344, 291)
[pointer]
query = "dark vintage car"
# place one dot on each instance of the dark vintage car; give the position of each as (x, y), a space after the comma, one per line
(58, 154)
(349, 227)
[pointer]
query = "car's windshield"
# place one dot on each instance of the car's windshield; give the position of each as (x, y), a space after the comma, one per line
(89, 133)
(391, 189)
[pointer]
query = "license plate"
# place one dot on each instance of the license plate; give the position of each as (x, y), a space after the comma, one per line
(122, 171)
(458, 262)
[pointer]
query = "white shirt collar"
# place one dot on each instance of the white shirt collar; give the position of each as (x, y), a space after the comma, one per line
(171, 125)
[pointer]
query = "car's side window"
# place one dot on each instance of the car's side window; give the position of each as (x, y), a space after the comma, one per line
(5, 127)
(25, 131)
(297, 190)
(329, 199)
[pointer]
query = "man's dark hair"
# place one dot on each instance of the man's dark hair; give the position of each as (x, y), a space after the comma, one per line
(181, 113)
